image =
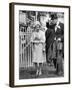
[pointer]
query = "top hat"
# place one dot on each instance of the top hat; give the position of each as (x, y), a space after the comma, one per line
(53, 16)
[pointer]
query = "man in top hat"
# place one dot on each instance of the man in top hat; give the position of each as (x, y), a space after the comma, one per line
(58, 28)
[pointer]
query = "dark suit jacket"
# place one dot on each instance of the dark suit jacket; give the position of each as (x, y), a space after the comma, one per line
(60, 32)
(50, 34)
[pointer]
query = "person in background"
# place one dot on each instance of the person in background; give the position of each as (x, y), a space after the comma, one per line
(49, 40)
(59, 57)
(38, 39)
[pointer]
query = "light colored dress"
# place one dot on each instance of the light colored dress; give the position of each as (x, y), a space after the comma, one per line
(37, 49)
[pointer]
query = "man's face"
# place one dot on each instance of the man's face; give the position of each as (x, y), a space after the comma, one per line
(53, 21)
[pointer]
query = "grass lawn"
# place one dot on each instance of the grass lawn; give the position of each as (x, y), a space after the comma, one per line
(47, 72)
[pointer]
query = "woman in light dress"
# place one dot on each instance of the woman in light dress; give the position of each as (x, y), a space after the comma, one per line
(38, 41)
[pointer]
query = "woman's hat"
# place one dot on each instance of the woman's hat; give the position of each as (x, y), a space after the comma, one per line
(37, 23)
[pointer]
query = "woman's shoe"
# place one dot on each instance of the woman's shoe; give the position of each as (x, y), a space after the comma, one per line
(40, 73)
(37, 72)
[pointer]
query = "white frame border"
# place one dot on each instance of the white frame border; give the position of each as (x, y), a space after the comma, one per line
(16, 42)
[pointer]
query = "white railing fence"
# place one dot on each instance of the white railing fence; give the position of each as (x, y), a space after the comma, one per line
(25, 49)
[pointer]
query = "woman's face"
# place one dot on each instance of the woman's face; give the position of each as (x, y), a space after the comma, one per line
(37, 27)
